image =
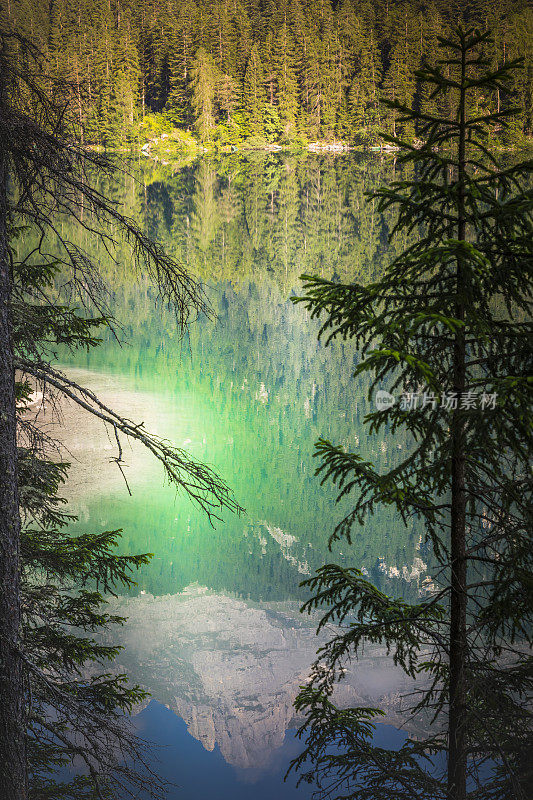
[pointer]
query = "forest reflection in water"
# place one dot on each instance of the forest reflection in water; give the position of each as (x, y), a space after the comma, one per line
(214, 631)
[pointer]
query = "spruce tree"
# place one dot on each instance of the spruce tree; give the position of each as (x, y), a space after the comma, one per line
(204, 77)
(351, 36)
(44, 177)
(254, 91)
(300, 36)
(227, 94)
(126, 77)
(269, 67)
(287, 86)
(363, 93)
(183, 45)
(331, 76)
(431, 26)
(76, 711)
(75, 708)
(449, 325)
(399, 83)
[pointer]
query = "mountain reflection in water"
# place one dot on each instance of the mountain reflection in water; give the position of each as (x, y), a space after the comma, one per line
(203, 775)
(231, 669)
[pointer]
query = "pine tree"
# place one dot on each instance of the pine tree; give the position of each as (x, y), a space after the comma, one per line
(330, 75)
(64, 579)
(204, 77)
(126, 78)
(448, 323)
(399, 83)
(287, 85)
(44, 174)
(363, 91)
(183, 45)
(431, 27)
(227, 94)
(254, 92)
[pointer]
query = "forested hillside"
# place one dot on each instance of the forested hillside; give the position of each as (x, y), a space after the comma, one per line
(270, 69)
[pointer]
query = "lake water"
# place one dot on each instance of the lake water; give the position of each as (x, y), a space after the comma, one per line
(214, 631)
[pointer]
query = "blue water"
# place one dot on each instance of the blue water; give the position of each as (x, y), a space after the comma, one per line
(201, 775)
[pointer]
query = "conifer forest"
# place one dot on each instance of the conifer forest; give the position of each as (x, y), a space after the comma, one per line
(263, 70)
(265, 399)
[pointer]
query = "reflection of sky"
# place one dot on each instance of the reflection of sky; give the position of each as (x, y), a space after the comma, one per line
(200, 775)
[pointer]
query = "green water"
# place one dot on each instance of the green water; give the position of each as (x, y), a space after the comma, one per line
(251, 391)
(213, 628)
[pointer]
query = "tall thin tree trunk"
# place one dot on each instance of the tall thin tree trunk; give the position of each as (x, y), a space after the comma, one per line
(12, 729)
(458, 644)
(78, 96)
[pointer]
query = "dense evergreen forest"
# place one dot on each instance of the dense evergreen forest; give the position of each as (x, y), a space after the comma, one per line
(264, 71)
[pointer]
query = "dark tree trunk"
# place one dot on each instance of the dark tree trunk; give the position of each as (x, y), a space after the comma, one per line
(458, 599)
(12, 729)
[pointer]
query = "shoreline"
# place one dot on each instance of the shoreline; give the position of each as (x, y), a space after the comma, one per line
(318, 146)
(166, 148)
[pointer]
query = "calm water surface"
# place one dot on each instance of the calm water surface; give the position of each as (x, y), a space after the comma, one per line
(214, 632)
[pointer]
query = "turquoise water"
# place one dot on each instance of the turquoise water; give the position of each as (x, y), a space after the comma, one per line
(214, 631)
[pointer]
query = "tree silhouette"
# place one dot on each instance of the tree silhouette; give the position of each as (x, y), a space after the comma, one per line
(447, 325)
